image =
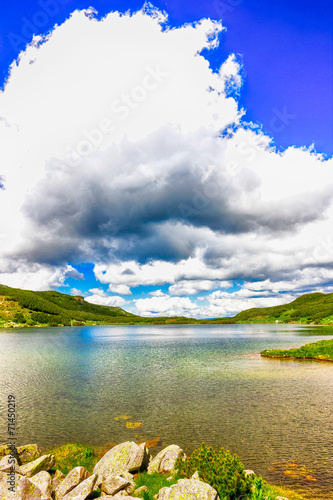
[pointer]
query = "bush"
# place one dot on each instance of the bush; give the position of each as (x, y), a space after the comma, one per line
(223, 471)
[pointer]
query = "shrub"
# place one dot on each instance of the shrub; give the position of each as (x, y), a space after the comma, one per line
(223, 471)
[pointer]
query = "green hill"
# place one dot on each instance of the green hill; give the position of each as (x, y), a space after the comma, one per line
(27, 308)
(316, 308)
(19, 308)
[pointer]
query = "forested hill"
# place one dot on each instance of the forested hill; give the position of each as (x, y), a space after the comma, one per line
(314, 308)
(52, 308)
(19, 308)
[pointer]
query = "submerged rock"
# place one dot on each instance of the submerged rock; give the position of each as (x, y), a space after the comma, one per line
(124, 457)
(71, 481)
(45, 462)
(188, 489)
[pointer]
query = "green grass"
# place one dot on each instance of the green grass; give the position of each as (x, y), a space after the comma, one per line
(155, 482)
(322, 350)
(72, 455)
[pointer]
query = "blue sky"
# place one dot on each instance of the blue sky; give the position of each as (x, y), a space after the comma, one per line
(262, 238)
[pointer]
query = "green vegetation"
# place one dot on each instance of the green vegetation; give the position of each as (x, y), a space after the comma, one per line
(223, 471)
(312, 308)
(69, 456)
(219, 470)
(154, 482)
(322, 350)
(22, 308)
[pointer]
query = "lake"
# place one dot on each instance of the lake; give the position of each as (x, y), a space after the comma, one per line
(185, 384)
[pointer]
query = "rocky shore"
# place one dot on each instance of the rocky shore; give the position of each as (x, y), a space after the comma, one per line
(28, 475)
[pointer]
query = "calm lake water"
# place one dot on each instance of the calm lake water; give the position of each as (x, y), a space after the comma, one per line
(184, 384)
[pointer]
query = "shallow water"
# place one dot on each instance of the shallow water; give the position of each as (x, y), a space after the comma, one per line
(184, 384)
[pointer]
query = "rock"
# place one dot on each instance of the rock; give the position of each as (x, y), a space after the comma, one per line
(113, 484)
(165, 460)
(195, 475)
(9, 481)
(124, 457)
(8, 464)
(4, 450)
(188, 489)
(28, 452)
(43, 481)
(71, 481)
(55, 483)
(248, 472)
(281, 498)
(140, 490)
(83, 489)
(27, 490)
(59, 475)
(45, 462)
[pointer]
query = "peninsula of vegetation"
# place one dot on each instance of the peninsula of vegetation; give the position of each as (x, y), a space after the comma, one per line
(322, 350)
(24, 308)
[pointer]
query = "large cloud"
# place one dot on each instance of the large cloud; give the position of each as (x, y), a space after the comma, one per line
(121, 147)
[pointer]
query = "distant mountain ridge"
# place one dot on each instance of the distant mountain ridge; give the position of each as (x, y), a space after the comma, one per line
(19, 308)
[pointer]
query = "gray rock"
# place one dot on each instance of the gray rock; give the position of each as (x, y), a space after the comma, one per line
(188, 489)
(55, 483)
(45, 462)
(26, 490)
(124, 457)
(165, 460)
(248, 472)
(195, 475)
(83, 489)
(43, 481)
(140, 490)
(7, 463)
(71, 481)
(4, 450)
(28, 452)
(59, 475)
(281, 498)
(112, 484)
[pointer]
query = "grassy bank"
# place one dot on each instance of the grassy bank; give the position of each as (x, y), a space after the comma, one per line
(69, 456)
(322, 351)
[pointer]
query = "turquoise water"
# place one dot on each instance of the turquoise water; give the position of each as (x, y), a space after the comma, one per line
(184, 384)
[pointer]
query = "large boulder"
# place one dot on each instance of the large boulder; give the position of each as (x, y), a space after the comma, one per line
(28, 452)
(165, 460)
(8, 464)
(25, 453)
(71, 481)
(4, 450)
(45, 462)
(124, 457)
(111, 485)
(188, 489)
(26, 490)
(43, 481)
(83, 489)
